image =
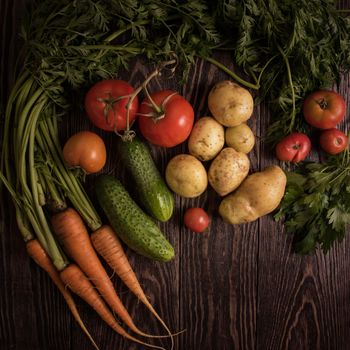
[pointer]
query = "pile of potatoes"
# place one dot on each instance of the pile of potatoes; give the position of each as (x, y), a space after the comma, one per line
(247, 197)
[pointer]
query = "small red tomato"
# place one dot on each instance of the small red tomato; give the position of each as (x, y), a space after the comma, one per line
(169, 122)
(86, 150)
(333, 141)
(105, 105)
(324, 109)
(196, 219)
(293, 148)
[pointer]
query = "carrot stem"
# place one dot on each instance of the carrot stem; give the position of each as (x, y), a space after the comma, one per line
(56, 255)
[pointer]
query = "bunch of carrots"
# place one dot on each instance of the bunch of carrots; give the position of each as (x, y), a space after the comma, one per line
(55, 234)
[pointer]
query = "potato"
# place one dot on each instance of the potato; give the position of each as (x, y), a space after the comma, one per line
(258, 195)
(207, 138)
(240, 137)
(228, 170)
(230, 104)
(186, 176)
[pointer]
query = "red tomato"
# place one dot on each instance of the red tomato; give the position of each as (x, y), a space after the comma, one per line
(293, 148)
(86, 150)
(324, 109)
(171, 124)
(333, 141)
(106, 106)
(196, 219)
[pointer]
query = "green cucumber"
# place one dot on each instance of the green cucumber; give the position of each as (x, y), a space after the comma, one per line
(135, 228)
(152, 192)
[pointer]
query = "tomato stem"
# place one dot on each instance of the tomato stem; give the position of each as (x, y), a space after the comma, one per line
(128, 134)
(153, 104)
(322, 103)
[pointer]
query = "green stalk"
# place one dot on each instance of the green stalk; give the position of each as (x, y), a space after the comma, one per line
(22, 221)
(53, 250)
(135, 50)
(27, 121)
(21, 102)
(54, 201)
(231, 73)
(23, 225)
(290, 80)
(118, 33)
(5, 166)
(22, 138)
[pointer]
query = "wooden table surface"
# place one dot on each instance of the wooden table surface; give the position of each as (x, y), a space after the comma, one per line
(234, 287)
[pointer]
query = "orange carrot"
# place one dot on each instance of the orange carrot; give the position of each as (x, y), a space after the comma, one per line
(38, 254)
(108, 245)
(71, 231)
(76, 280)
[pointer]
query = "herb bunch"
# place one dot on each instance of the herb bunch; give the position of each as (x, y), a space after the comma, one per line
(62, 37)
(316, 206)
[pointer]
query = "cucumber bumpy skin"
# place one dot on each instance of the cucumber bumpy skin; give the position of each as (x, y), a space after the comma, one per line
(135, 228)
(152, 192)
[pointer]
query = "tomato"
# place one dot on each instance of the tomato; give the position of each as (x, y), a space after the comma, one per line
(105, 104)
(293, 148)
(168, 124)
(324, 109)
(333, 141)
(196, 219)
(86, 150)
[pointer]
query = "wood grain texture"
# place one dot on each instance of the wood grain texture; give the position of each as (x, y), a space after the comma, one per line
(234, 287)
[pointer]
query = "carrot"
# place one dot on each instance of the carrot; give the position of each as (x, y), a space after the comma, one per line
(72, 233)
(38, 254)
(108, 245)
(77, 281)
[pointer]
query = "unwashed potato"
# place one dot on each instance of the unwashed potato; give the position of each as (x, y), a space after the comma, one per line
(228, 170)
(207, 139)
(230, 104)
(258, 195)
(186, 176)
(240, 137)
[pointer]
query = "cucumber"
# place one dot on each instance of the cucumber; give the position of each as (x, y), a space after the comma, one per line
(135, 228)
(152, 192)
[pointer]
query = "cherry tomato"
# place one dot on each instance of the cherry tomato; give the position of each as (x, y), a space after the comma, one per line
(170, 123)
(86, 150)
(333, 141)
(324, 109)
(196, 219)
(293, 148)
(106, 106)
